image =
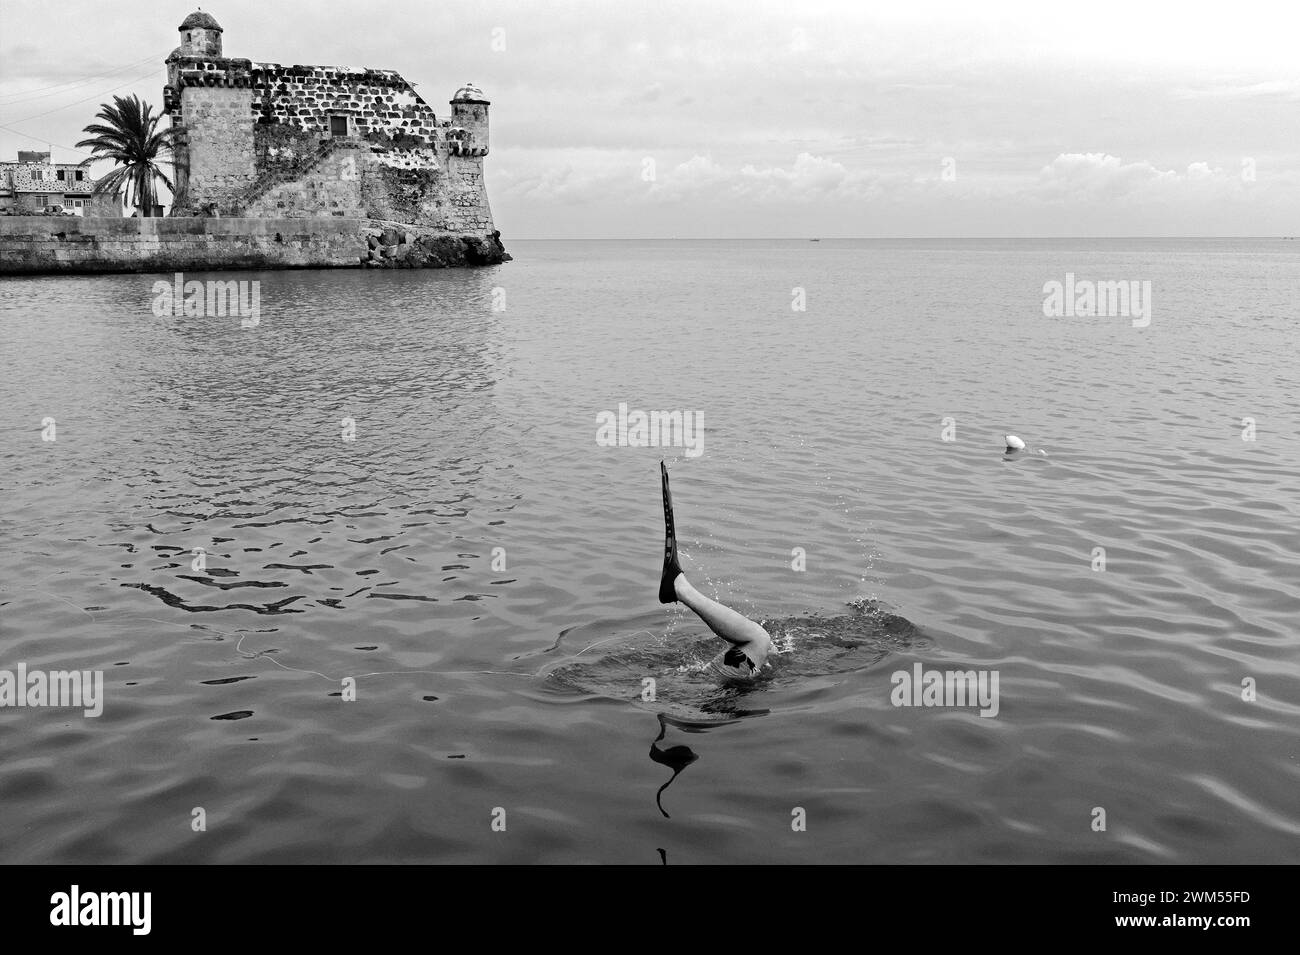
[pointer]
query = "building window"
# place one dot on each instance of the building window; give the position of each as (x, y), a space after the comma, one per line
(338, 125)
(61, 174)
(79, 175)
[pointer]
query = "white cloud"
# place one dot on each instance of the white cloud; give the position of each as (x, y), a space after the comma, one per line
(808, 178)
(1091, 176)
(1099, 177)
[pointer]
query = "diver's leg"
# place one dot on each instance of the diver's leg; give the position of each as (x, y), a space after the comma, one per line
(671, 568)
(728, 624)
(731, 626)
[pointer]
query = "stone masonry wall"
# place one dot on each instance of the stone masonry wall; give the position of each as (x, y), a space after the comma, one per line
(468, 198)
(380, 103)
(329, 186)
(280, 158)
(69, 244)
(218, 163)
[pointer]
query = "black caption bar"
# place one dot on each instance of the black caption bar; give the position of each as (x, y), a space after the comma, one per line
(148, 905)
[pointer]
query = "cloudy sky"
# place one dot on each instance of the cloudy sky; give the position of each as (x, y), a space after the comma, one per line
(713, 118)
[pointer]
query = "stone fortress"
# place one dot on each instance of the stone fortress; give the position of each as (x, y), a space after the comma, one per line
(290, 167)
(261, 140)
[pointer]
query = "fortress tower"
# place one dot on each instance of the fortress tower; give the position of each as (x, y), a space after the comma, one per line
(469, 114)
(200, 35)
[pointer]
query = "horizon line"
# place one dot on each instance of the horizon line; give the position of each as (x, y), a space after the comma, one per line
(766, 238)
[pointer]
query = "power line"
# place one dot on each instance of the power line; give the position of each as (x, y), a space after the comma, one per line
(24, 94)
(86, 99)
(12, 99)
(38, 139)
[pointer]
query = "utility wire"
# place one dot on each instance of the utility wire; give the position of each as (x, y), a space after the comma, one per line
(12, 99)
(86, 99)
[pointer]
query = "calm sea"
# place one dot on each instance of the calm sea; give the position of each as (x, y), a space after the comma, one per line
(433, 642)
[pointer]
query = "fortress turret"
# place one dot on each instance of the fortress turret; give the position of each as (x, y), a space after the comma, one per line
(200, 35)
(468, 135)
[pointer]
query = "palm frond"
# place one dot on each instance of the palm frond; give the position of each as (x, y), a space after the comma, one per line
(129, 137)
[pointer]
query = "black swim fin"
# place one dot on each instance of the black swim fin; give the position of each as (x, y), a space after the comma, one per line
(667, 594)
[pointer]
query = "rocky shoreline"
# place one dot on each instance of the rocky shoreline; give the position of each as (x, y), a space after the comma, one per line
(398, 247)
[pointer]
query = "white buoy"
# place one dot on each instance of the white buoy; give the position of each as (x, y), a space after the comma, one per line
(1013, 443)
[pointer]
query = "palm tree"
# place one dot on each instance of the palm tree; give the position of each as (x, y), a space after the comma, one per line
(130, 138)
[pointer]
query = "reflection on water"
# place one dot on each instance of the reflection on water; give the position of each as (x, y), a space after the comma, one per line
(389, 482)
(675, 758)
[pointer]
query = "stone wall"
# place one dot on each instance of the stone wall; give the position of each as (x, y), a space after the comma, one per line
(379, 103)
(325, 183)
(216, 164)
(105, 206)
(58, 244)
(467, 196)
(257, 141)
(297, 175)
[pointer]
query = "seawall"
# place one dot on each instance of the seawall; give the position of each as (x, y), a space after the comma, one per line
(75, 245)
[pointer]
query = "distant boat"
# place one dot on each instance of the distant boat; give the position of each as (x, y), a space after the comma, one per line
(814, 240)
